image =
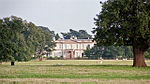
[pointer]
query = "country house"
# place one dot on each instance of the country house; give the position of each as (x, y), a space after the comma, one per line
(71, 48)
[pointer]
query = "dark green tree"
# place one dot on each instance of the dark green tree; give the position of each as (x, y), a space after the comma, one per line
(34, 38)
(128, 52)
(109, 52)
(81, 34)
(20, 40)
(87, 53)
(46, 29)
(84, 35)
(49, 43)
(125, 22)
(57, 36)
(7, 47)
(147, 54)
(15, 26)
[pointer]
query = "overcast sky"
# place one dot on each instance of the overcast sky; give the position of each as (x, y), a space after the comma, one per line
(58, 15)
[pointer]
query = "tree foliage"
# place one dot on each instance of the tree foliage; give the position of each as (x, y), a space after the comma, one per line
(109, 52)
(81, 34)
(125, 22)
(57, 36)
(49, 43)
(20, 40)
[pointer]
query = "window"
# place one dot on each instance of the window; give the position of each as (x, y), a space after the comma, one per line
(77, 54)
(76, 46)
(88, 45)
(82, 46)
(71, 46)
(57, 46)
(65, 46)
(60, 46)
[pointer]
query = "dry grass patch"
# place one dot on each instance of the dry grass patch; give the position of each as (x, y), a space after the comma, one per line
(72, 81)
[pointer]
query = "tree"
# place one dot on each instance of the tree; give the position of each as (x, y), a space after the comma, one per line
(109, 52)
(46, 29)
(20, 40)
(125, 22)
(34, 38)
(10, 27)
(49, 43)
(57, 36)
(128, 52)
(81, 34)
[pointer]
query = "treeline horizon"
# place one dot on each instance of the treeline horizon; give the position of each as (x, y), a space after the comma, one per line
(21, 40)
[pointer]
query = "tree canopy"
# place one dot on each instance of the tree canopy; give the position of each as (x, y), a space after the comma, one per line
(125, 22)
(20, 40)
(81, 34)
(109, 52)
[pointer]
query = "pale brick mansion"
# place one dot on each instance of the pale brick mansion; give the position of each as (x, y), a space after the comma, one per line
(71, 48)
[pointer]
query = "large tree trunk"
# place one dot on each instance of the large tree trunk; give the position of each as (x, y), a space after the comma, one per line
(139, 60)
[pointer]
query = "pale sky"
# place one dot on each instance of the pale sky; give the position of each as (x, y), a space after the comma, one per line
(58, 15)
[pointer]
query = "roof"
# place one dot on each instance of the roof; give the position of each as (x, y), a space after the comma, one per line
(73, 41)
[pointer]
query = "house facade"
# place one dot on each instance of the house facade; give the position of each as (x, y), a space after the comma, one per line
(71, 48)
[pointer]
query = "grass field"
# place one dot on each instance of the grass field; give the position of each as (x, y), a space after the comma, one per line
(74, 72)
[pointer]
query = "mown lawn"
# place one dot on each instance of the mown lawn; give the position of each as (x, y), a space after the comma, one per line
(74, 71)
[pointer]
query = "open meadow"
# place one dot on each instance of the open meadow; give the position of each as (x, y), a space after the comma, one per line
(74, 72)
